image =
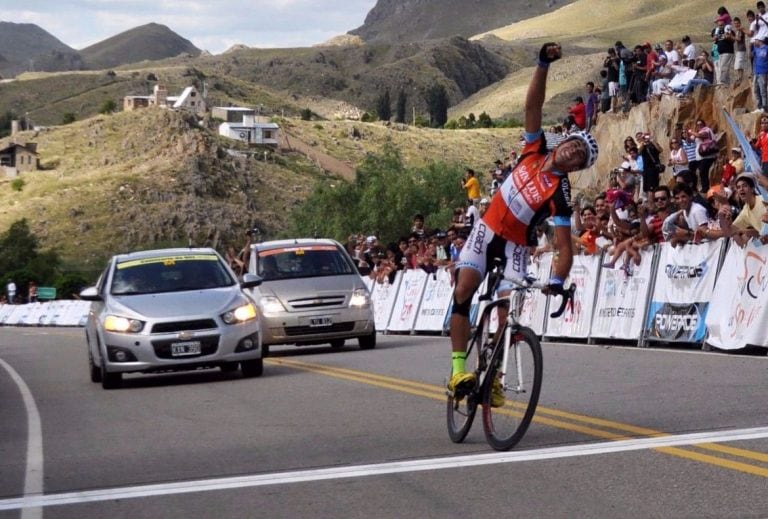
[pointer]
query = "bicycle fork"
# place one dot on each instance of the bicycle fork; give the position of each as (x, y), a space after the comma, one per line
(511, 349)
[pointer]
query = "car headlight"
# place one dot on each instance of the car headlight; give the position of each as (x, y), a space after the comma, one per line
(359, 298)
(271, 305)
(115, 323)
(240, 314)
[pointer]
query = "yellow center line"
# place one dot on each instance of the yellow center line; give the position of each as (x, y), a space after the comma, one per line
(547, 416)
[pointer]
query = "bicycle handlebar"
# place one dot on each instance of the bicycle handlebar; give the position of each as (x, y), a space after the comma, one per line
(567, 294)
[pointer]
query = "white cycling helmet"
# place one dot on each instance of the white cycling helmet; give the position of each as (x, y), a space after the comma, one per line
(591, 143)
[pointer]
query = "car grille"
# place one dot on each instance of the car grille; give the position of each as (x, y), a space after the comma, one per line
(208, 346)
(307, 303)
(181, 326)
(292, 331)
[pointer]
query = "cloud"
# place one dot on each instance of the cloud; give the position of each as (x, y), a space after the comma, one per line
(212, 25)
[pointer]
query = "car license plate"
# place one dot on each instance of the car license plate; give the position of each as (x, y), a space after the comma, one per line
(181, 349)
(320, 321)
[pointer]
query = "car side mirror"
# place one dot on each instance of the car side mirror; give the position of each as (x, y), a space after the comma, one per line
(90, 294)
(251, 280)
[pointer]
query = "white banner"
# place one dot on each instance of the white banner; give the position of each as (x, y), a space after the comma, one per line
(575, 321)
(685, 281)
(407, 302)
(435, 302)
(534, 310)
(383, 298)
(737, 316)
(621, 298)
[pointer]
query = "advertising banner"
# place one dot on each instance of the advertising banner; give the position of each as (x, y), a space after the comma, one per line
(685, 281)
(534, 310)
(737, 315)
(575, 322)
(407, 302)
(383, 298)
(621, 297)
(435, 302)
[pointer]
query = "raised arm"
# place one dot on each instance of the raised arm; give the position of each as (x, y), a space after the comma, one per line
(534, 99)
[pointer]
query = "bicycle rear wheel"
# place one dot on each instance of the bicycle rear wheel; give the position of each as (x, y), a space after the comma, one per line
(520, 382)
(461, 411)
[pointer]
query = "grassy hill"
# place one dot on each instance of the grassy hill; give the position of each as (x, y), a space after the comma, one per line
(147, 42)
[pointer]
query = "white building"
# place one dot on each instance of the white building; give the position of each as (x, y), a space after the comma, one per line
(190, 100)
(253, 130)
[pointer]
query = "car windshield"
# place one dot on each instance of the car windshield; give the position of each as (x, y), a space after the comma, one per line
(302, 262)
(173, 273)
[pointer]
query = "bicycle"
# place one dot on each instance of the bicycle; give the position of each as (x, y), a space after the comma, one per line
(512, 355)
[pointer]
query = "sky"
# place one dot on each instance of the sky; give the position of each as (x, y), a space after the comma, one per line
(213, 25)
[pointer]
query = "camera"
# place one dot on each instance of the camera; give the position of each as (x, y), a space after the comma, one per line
(253, 232)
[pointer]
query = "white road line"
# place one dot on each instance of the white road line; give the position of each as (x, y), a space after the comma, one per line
(33, 476)
(356, 471)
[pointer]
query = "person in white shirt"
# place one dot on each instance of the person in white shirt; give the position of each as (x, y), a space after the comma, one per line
(689, 52)
(690, 219)
(673, 58)
(11, 291)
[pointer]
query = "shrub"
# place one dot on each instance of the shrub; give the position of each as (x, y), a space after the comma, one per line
(68, 118)
(306, 114)
(17, 184)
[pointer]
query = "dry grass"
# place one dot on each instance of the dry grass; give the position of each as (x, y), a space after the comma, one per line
(599, 23)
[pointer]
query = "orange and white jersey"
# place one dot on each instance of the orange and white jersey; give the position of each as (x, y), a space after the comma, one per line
(529, 195)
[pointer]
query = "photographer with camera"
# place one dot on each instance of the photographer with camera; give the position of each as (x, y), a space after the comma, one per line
(724, 39)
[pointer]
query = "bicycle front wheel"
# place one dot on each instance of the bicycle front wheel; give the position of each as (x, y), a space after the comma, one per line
(511, 390)
(461, 409)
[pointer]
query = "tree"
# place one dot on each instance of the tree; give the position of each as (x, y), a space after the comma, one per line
(402, 99)
(5, 122)
(20, 259)
(107, 107)
(306, 114)
(484, 121)
(384, 106)
(383, 199)
(437, 103)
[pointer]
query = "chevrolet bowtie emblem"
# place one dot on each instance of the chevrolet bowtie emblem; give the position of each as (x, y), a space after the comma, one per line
(184, 336)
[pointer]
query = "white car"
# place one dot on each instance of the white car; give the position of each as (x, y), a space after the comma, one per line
(310, 293)
(171, 310)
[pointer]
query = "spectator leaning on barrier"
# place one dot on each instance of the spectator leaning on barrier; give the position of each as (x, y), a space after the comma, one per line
(690, 217)
(748, 223)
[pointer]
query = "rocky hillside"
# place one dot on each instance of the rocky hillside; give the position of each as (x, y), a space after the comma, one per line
(399, 21)
(148, 42)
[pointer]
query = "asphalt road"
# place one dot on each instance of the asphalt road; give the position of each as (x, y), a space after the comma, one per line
(362, 434)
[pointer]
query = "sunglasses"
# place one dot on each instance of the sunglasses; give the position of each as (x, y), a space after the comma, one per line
(660, 198)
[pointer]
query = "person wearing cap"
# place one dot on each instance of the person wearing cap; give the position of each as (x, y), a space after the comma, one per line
(538, 188)
(723, 37)
(748, 223)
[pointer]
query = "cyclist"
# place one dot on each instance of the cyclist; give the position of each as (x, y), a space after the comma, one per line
(536, 189)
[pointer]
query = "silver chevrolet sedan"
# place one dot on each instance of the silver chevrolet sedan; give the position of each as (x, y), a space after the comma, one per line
(171, 310)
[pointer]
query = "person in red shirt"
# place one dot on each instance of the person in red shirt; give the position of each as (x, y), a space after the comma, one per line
(536, 189)
(760, 144)
(577, 114)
